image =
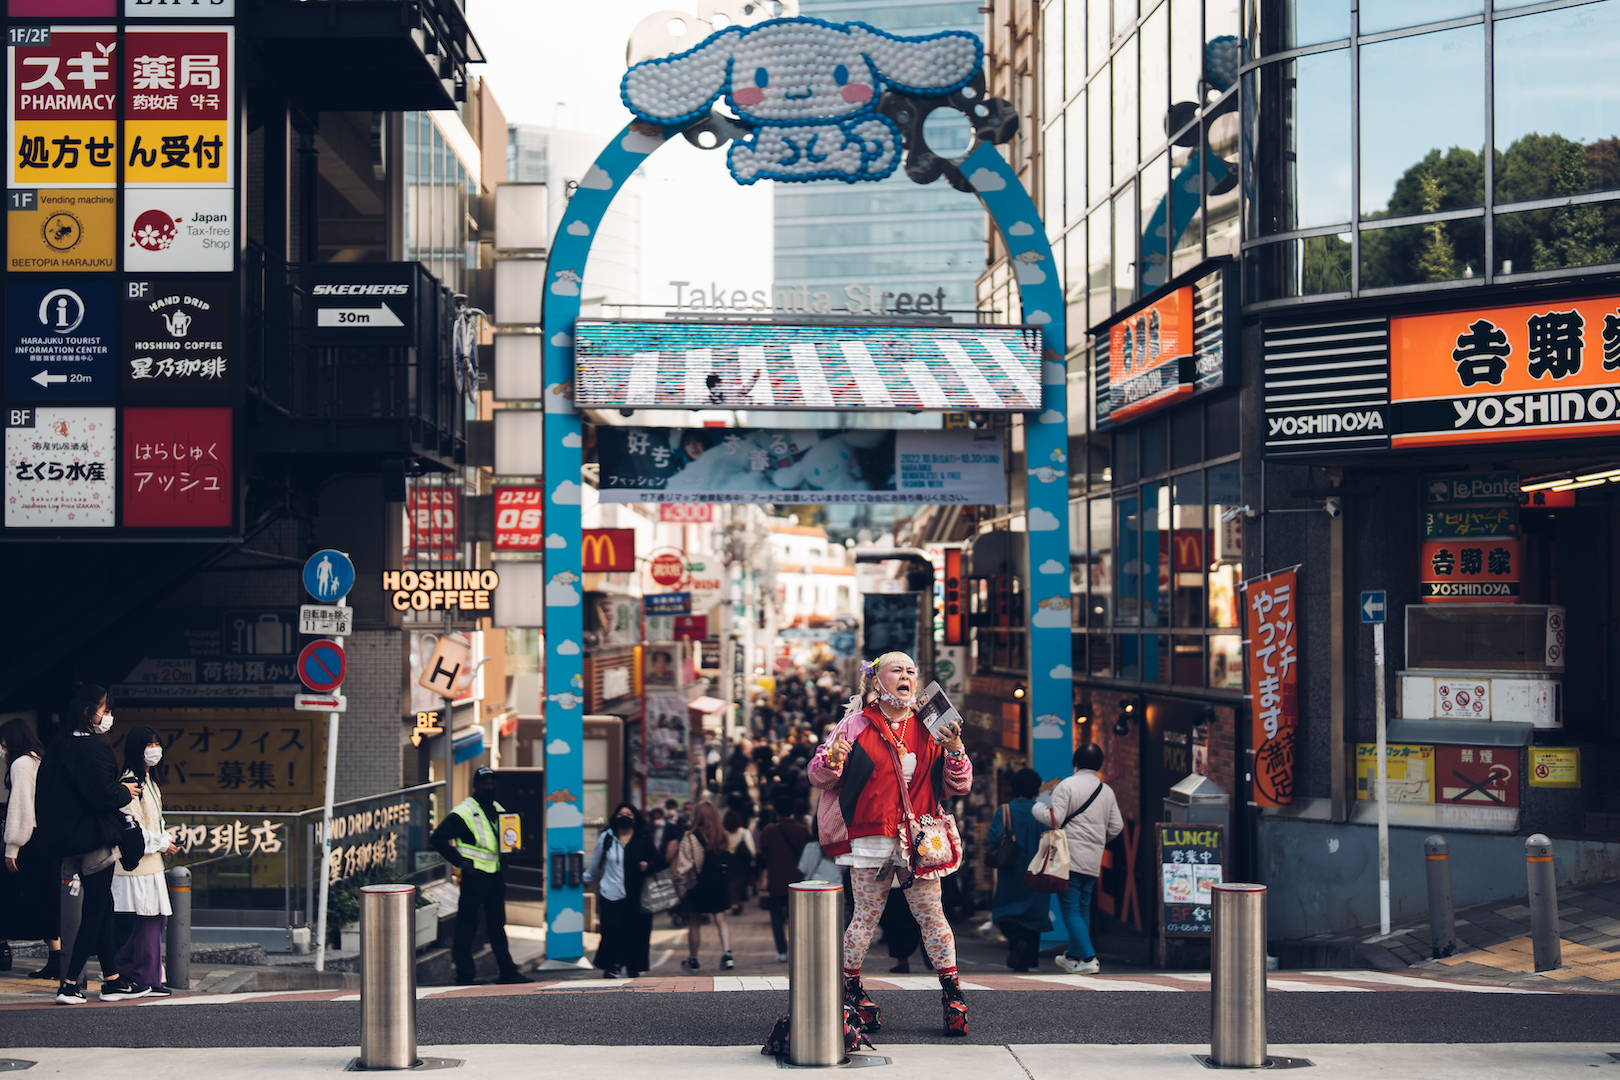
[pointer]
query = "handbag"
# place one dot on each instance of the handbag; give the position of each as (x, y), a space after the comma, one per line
(1005, 855)
(658, 892)
(935, 846)
(1049, 870)
(131, 843)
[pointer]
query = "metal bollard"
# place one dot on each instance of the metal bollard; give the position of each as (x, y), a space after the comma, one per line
(71, 908)
(177, 940)
(815, 973)
(387, 976)
(1442, 923)
(1237, 980)
(1538, 862)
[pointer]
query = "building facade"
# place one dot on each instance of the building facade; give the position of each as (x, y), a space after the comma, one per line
(1336, 336)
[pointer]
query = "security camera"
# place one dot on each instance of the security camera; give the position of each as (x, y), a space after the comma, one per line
(1333, 506)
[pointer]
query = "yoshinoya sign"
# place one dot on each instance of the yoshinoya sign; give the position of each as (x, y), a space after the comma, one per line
(1530, 371)
(1326, 387)
(1168, 348)
(362, 304)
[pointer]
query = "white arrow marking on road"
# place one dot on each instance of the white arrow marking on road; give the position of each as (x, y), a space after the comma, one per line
(45, 378)
(381, 315)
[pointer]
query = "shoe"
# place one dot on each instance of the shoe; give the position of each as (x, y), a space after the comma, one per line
(950, 996)
(781, 958)
(160, 991)
(609, 973)
(1071, 966)
(123, 990)
(1018, 955)
(69, 994)
(726, 962)
(866, 1010)
(689, 964)
(901, 968)
(51, 970)
(511, 978)
(632, 974)
(1086, 967)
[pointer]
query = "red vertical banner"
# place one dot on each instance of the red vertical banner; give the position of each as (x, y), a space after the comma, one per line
(177, 467)
(1271, 649)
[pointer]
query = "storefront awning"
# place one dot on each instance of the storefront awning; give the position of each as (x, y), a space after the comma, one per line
(468, 743)
(705, 705)
(644, 364)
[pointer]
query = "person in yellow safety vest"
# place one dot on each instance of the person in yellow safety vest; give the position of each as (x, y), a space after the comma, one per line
(469, 840)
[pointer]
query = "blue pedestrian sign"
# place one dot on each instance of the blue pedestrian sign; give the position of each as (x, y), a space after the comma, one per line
(1372, 606)
(328, 575)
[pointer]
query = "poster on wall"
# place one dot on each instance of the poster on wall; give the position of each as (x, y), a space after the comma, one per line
(62, 106)
(1271, 650)
(668, 735)
(1410, 776)
(177, 467)
(778, 465)
(1506, 374)
(59, 467)
(178, 340)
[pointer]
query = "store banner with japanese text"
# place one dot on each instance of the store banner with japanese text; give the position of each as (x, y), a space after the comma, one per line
(63, 106)
(778, 465)
(177, 467)
(178, 340)
(1491, 375)
(230, 759)
(1271, 650)
(59, 466)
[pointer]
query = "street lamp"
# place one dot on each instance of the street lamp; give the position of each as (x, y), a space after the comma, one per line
(1127, 710)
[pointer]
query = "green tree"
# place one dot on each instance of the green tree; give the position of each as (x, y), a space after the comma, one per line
(1436, 261)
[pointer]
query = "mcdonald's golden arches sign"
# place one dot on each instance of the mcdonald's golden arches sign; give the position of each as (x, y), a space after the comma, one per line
(605, 550)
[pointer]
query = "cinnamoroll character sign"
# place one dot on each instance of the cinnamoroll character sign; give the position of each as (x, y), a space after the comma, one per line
(810, 88)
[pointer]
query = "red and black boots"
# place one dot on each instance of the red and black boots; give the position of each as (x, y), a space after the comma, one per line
(950, 996)
(870, 1017)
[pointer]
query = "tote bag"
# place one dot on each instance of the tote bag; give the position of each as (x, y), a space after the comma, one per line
(1049, 870)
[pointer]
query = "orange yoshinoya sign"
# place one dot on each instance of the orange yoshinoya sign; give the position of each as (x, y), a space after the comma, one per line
(1150, 356)
(1533, 371)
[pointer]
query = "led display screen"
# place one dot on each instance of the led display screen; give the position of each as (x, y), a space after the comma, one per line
(679, 365)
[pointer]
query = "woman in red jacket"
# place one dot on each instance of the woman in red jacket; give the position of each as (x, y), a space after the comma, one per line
(861, 820)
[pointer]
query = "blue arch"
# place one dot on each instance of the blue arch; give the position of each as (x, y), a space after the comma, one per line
(1047, 464)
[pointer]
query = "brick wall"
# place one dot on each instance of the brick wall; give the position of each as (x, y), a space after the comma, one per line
(1223, 750)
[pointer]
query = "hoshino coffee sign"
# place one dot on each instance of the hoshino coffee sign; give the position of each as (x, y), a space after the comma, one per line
(437, 590)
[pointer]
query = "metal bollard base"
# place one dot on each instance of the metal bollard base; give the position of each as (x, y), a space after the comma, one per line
(15, 1064)
(851, 1061)
(1272, 1062)
(422, 1065)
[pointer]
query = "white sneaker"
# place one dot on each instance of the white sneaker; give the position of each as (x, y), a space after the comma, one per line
(1085, 967)
(781, 958)
(1062, 960)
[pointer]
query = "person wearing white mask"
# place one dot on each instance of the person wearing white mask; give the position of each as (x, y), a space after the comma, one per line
(141, 892)
(81, 810)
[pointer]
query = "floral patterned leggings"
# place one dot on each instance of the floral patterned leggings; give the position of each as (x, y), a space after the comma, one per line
(924, 900)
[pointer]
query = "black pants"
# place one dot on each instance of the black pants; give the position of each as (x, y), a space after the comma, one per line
(901, 933)
(626, 935)
(484, 894)
(1023, 944)
(778, 907)
(95, 925)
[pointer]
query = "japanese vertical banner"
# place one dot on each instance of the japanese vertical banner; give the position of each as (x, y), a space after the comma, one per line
(1271, 650)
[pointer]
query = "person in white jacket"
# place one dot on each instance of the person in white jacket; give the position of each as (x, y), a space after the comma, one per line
(1085, 809)
(142, 892)
(30, 903)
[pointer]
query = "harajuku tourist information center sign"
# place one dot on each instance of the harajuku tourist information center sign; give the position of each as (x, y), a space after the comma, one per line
(800, 99)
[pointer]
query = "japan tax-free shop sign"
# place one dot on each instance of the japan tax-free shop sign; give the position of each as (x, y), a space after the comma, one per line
(1525, 372)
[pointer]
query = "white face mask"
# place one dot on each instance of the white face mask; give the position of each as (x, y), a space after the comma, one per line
(104, 724)
(153, 755)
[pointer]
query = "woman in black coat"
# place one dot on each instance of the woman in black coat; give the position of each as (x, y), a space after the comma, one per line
(624, 856)
(80, 802)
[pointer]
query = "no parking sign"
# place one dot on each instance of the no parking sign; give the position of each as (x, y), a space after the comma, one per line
(321, 666)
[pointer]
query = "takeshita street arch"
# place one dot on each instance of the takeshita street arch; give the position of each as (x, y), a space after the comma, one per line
(808, 100)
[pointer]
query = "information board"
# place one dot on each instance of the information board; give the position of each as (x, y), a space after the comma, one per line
(1190, 863)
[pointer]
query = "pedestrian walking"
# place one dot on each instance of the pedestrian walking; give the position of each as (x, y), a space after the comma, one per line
(467, 838)
(702, 867)
(880, 761)
(743, 856)
(82, 806)
(1085, 809)
(30, 896)
(624, 856)
(1019, 912)
(781, 843)
(142, 892)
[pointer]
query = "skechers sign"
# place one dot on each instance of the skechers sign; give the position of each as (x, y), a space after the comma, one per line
(363, 303)
(1165, 350)
(1530, 372)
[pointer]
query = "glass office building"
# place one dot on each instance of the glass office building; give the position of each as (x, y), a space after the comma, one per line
(857, 241)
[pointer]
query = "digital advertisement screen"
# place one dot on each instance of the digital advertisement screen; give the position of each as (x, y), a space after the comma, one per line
(678, 365)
